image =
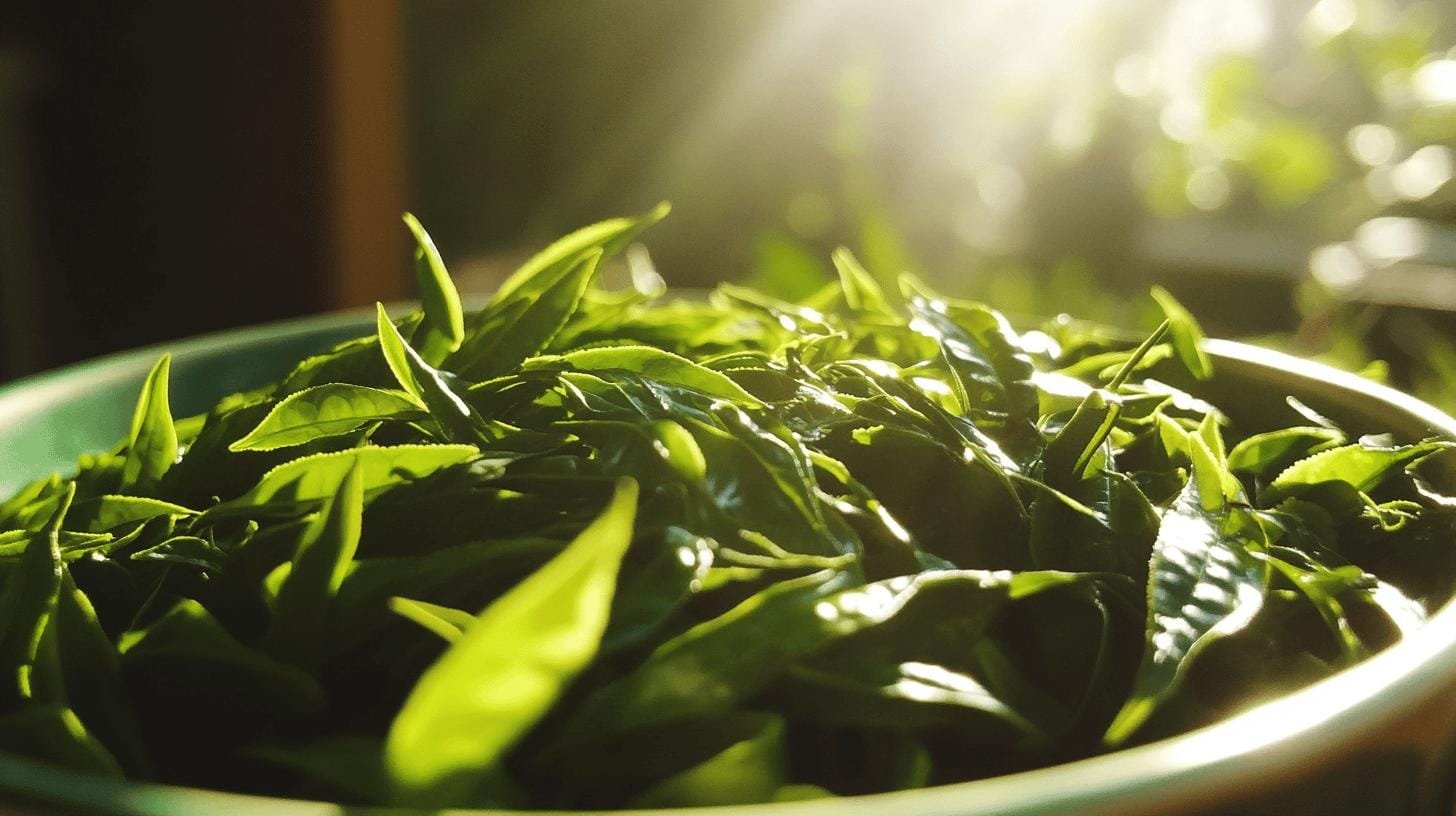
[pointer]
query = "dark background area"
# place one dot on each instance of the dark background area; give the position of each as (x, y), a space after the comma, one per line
(171, 168)
(171, 180)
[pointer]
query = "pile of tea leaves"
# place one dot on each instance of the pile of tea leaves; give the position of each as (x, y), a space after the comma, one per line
(593, 547)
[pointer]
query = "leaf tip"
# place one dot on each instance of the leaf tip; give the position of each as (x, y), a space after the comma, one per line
(626, 491)
(1132, 716)
(384, 323)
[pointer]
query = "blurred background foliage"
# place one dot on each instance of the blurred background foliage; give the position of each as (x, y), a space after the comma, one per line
(1284, 166)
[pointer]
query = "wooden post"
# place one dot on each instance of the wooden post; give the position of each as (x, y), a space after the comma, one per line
(369, 250)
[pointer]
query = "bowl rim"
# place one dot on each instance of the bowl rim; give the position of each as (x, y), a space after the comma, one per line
(1261, 743)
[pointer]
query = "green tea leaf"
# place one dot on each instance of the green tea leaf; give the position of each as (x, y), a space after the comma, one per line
(648, 593)
(966, 512)
(104, 513)
(1322, 588)
(712, 666)
(1067, 456)
(861, 292)
(508, 668)
(1205, 583)
(992, 375)
(361, 604)
(426, 384)
(1360, 467)
(1187, 335)
(515, 329)
(356, 362)
(324, 554)
(324, 411)
(654, 364)
(753, 484)
(152, 445)
(444, 621)
(915, 670)
(609, 236)
(1138, 356)
(1116, 536)
(1276, 450)
(91, 672)
(722, 661)
(14, 509)
(14, 543)
(443, 326)
(27, 602)
(311, 479)
(189, 550)
(660, 449)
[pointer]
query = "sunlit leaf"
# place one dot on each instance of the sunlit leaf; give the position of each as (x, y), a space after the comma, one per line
(652, 363)
(448, 623)
(507, 669)
(314, 478)
(1187, 335)
(443, 327)
(609, 236)
(1205, 583)
(152, 445)
(1360, 467)
(104, 513)
(323, 556)
(1276, 450)
(324, 411)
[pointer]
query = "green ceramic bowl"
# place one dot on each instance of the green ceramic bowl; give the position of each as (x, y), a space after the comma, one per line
(1375, 739)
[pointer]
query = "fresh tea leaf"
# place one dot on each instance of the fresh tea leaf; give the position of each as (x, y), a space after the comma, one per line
(27, 601)
(323, 411)
(443, 327)
(1360, 467)
(608, 236)
(91, 671)
(508, 668)
(152, 445)
(427, 385)
(861, 292)
(323, 556)
(516, 328)
(1205, 583)
(314, 478)
(104, 513)
(1187, 334)
(991, 373)
(448, 623)
(654, 364)
(1277, 450)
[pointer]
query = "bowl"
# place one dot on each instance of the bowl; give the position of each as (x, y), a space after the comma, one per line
(1379, 738)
